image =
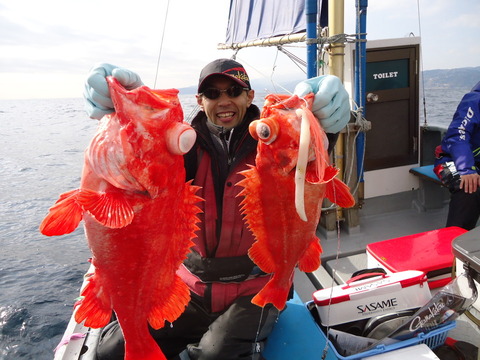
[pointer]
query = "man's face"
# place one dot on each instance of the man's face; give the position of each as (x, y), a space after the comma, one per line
(225, 110)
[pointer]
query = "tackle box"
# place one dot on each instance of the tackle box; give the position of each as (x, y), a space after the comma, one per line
(362, 298)
(430, 252)
(432, 339)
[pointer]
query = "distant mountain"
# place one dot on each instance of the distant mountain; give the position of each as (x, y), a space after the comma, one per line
(460, 78)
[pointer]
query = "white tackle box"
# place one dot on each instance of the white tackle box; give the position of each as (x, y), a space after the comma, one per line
(362, 298)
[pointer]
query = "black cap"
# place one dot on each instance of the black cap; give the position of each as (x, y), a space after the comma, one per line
(226, 67)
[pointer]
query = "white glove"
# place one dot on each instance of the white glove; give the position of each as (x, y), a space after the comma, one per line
(331, 104)
(97, 94)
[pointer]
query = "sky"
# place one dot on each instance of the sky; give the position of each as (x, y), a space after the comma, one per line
(48, 47)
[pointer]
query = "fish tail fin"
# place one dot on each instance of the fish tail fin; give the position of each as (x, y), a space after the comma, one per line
(274, 293)
(310, 260)
(94, 309)
(170, 306)
(339, 193)
(64, 216)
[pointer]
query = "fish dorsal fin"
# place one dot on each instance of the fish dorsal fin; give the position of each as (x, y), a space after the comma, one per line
(64, 216)
(110, 209)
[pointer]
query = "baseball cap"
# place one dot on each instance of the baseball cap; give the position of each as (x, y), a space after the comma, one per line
(226, 67)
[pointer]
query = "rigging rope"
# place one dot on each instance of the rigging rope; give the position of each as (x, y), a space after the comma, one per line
(425, 124)
(296, 59)
(161, 44)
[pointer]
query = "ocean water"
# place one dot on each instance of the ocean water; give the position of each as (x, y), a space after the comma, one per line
(42, 144)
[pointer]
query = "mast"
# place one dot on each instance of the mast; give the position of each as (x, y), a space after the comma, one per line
(311, 10)
(360, 76)
(273, 41)
(336, 10)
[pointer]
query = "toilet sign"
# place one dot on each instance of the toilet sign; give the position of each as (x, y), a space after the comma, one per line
(386, 75)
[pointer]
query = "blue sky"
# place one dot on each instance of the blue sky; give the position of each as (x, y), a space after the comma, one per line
(49, 46)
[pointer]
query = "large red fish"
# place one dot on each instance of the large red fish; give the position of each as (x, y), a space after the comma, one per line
(139, 215)
(284, 192)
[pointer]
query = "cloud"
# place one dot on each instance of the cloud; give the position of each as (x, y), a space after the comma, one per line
(64, 39)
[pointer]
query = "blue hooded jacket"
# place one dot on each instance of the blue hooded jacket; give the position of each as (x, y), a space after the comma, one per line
(461, 143)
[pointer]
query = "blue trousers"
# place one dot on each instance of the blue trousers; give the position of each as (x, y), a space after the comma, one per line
(464, 209)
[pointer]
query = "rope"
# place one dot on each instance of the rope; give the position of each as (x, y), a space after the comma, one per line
(332, 284)
(363, 126)
(274, 83)
(296, 60)
(161, 44)
(335, 39)
(425, 124)
(192, 114)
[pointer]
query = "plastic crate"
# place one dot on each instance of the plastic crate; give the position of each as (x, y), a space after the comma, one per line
(432, 339)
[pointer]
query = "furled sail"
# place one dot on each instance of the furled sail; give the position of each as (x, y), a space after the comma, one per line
(260, 19)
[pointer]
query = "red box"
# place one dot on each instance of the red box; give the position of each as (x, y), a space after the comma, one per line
(430, 252)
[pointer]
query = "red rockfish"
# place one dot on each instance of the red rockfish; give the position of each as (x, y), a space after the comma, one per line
(284, 193)
(139, 213)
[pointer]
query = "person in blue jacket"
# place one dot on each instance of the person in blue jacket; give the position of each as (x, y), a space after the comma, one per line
(457, 162)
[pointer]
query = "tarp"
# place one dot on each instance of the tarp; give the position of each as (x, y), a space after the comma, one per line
(260, 19)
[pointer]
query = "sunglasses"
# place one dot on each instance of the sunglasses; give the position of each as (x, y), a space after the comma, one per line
(232, 92)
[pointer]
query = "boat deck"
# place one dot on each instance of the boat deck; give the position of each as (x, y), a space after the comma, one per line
(380, 219)
(344, 253)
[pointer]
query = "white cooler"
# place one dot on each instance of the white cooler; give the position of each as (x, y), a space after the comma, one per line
(362, 298)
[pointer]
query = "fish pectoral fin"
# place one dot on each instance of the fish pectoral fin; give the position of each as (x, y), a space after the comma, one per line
(110, 209)
(170, 304)
(93, 308)
(310, 260)
(64, 216)
(262, 257)
(339, 193)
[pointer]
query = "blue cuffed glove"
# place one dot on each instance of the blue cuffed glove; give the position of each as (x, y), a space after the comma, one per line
(331, 105)
(97, 94)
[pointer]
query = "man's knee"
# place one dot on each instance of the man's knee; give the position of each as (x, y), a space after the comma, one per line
(224, 351)
(111, 345)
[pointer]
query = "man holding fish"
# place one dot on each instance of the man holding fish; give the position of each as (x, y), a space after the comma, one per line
(220, 321)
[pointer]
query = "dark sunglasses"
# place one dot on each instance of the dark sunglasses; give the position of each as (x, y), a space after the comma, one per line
(232, 92)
